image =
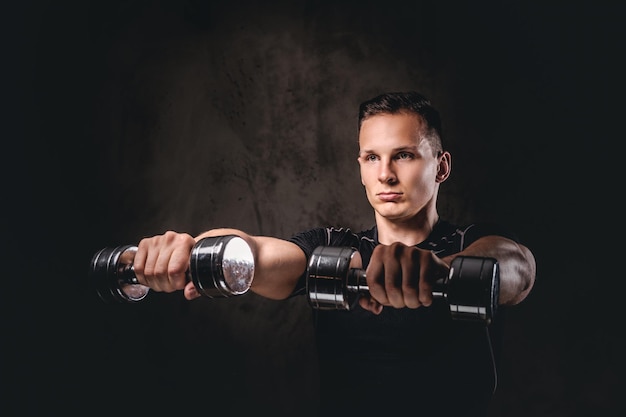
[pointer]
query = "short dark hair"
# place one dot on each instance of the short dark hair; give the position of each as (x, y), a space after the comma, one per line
(406, 102)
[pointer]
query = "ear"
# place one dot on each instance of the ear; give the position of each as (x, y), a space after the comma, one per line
(360, 174)
(444, 166)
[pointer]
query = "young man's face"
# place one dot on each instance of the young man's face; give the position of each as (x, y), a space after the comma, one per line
(398, 168)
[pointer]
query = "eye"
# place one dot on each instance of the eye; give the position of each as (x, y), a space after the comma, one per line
(404, 155)
(370, 158)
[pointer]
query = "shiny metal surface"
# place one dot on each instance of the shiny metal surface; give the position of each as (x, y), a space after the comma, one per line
(113, 276)
(222, 266)
(473, 288)
(331, 282)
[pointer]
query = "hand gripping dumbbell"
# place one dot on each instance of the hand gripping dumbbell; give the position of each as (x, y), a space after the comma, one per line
(219, 267)
(471, 288)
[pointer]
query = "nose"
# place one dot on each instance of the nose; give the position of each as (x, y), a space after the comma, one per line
(387, 174)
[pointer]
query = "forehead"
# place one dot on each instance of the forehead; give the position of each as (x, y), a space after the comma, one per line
(402, 129)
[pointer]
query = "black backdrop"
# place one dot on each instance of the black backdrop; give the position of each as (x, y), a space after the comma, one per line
(129, 118)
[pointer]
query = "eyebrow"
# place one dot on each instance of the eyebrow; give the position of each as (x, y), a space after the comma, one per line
(413, 148)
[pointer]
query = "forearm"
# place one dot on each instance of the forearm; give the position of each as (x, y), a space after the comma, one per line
(516, 264)
(278, 263)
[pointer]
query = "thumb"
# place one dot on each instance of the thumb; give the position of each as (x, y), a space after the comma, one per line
(190, 291)
(371, 305)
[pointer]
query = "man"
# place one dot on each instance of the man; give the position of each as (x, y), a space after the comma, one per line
(398, 350)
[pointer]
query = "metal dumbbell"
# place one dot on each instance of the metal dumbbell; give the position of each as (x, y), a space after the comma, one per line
(221, 266)
(471, 289)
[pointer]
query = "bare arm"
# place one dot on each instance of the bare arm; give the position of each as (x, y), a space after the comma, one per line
(516, 262)
(161, 263)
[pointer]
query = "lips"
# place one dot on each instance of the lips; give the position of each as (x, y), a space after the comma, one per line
(389, 196)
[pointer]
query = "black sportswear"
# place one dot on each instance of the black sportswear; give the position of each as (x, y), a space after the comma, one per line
(413, 361)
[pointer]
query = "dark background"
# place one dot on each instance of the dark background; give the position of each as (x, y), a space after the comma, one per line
(124, 119)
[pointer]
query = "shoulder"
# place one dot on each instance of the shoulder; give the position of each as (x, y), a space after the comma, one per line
(475, 231)
(448, 238)
(308, 240)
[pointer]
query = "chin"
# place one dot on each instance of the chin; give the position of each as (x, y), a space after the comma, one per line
(391, 215)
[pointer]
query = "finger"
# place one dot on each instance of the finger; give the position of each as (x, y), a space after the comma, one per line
(426, 277)
(435, 270)
(393, 284)
(375, 276)
(370, 304)
(162, 270)
(426, 293)
(410, 281)
(150, 268)
(177, 267)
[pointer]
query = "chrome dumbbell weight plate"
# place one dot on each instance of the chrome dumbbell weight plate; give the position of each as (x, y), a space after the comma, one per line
(112, 274)
(333, 282)
(473, 288)
(220, 266)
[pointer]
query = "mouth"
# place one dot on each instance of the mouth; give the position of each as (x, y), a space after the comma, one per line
(389, 196)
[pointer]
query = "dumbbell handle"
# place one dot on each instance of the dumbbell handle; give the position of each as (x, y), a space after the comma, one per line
(356, 282)
(127, 273)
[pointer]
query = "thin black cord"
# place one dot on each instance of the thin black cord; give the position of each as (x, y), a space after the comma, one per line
(493, 361)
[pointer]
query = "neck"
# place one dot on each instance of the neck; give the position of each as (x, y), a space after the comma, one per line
(408, 231)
